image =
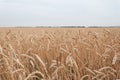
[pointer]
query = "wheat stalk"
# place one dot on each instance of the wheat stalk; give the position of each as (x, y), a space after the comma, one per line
(33, 73)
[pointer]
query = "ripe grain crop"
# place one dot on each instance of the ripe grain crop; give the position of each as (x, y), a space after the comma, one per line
(59, 53)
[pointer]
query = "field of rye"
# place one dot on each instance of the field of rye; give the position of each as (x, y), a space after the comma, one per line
(59, 53)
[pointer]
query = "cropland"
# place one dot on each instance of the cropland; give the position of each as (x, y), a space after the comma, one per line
(59, 53)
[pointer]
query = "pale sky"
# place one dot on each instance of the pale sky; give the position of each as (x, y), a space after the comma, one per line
(59, 12)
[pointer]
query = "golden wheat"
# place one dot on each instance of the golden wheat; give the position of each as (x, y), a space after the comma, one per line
(59, 54)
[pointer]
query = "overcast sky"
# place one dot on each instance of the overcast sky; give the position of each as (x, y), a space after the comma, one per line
(59, 12)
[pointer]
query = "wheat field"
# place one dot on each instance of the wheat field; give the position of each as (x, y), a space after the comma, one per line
(59, 53)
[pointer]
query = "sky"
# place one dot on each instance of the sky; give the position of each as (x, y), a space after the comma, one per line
(59, 12)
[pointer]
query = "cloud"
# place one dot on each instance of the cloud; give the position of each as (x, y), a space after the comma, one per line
(59, 12)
